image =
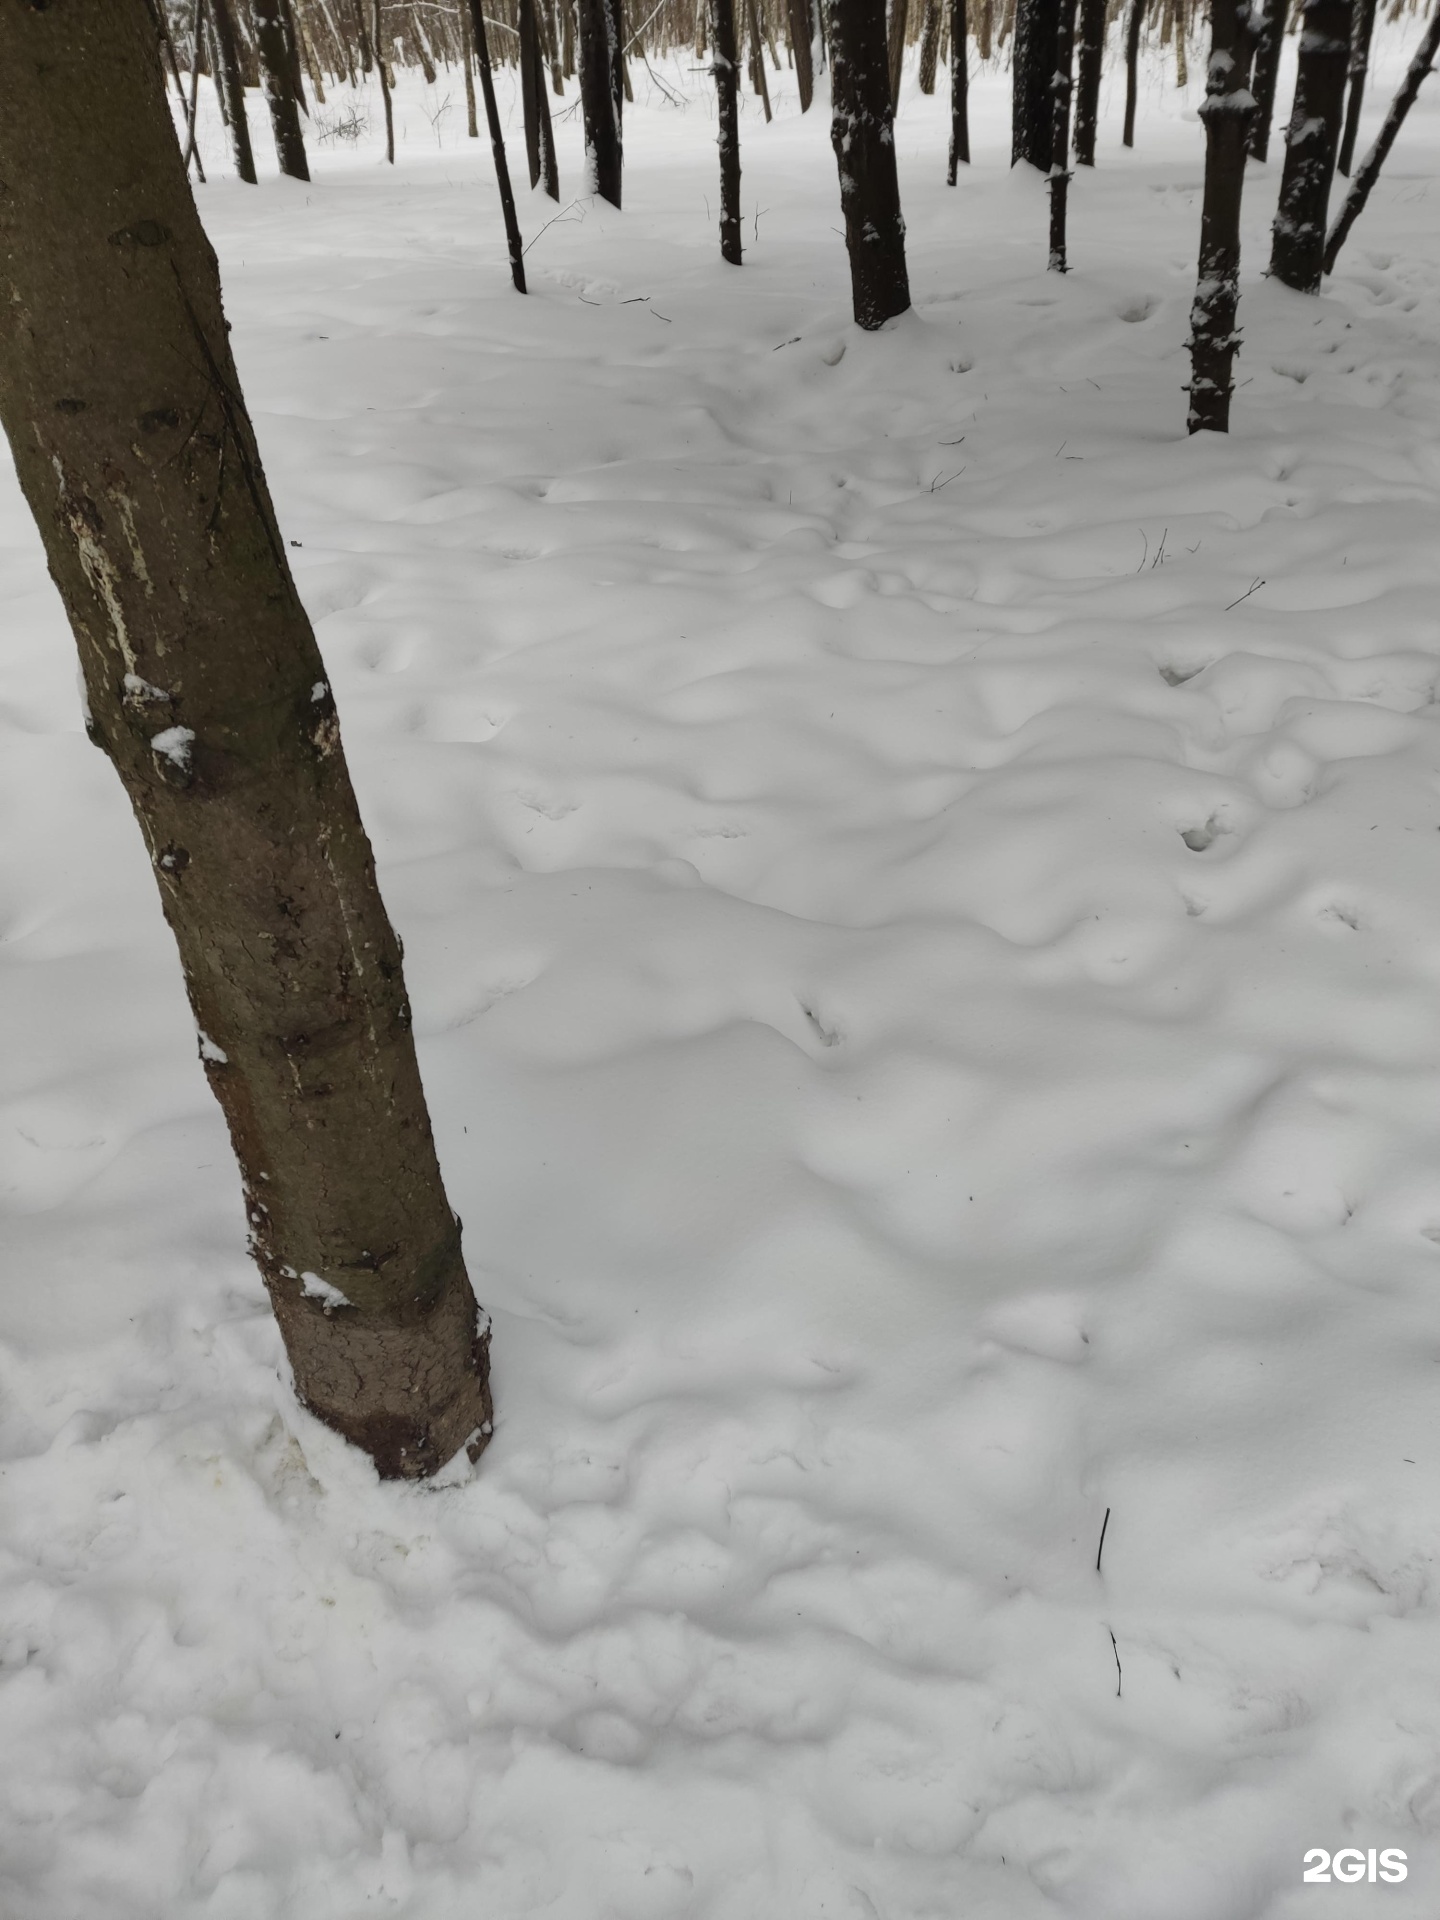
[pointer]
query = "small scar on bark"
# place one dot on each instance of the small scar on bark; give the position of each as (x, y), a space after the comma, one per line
(172, 859)
(144, 233)
(367, 1262)
(70, 406)
(157, 419)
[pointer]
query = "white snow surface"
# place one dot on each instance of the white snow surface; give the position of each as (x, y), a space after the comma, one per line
(927, 971)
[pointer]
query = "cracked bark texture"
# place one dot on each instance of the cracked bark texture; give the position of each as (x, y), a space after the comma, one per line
(206, 689)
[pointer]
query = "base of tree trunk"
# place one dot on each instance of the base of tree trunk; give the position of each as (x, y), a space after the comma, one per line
(411, 1394)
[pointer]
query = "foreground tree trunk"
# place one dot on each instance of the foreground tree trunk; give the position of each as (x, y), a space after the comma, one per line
(206, 689)
(1033, 100)
(727, 103)
(277, 76)
(862, 132)
(1362, 33)
(1226, 112)
(1089, 67)
(1269, 38)
(1369, 171)
(601, 97)
(1297, 250)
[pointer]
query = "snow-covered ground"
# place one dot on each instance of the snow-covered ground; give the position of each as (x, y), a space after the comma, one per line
(928, 972)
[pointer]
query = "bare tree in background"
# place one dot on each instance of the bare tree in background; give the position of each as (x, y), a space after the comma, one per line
(278, 77)
(1363, 32)
(1269, 35)
(959, 92)
(1369, 170)
(206, 689)
(725, 67)
(1061, 87)
(1090, 65)
(230, 85)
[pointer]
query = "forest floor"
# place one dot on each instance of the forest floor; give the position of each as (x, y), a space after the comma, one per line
(927, 968)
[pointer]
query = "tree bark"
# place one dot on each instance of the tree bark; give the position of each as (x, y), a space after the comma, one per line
(601, 96)
(535, 100)
(1369, 171)
(959, 91)
(1269, 39)
(497, 146)
(197, 50)
(1297, 250)
(757, 59)
(1363, 31)
(229, 84)
(1226, 112)
(895, 48)
(382, 66)
(1089, 67)
(724, 66)
(273, 50)
(207, 690)
(1061, 85)
(862, 132)
(929, 46)
(467, 62)
(1033, 73)
(1134, 21)
(798, 20)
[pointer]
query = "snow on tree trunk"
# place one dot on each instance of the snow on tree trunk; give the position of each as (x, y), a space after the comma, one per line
(1298, 246)
(862, 132)
(1089, 64)
(724, 66)
(1033, 74)
(1061, 87)
(231, 88)
(207, 691)
(535, 100)
(272, 46)
(1369, 169)
(1226, 112)
(601, 97)
(1269, 38)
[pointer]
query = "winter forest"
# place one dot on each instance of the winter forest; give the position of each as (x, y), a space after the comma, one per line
(720, 1110)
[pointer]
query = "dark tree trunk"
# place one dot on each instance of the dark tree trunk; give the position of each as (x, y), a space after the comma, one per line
(600, 98)
(757, 59)
(497, 146)
(798, 20)
(1062, 84)
(197, 50)
(726, 71)
(895, 49)
(1269, 39)
(382, 67)
(1134, 21)
(929, 46)
(1089, 66)
(231, 88)
(1369, 172)
(535, 98)
(362, 34)
(294, 61)
(206, 689)
(1297, 251)
(862, 133)
(1364, 28)
(1033, 74)
(270, 44)
(1226, 112)
(959, 91)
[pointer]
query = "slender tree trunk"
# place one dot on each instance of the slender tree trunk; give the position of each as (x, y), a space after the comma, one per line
(277, 79)
(1089, 67)
(1298, 248)
(1033, 74)
(1134, 21)
(539, 135)
(1364, 28)
(600, 98)
(382, 66)
(362, 32)
(899, 19)
(959, 91)
(799, 22)
(513, 244)
(292, 54)
(1369, 169)
(207, 691)
(467, 58)
(725, 69)
(1269, 39)
(1226, 113)
(929, 46)
(862, 132)
(1060, 133)
(197, 48)
(230, 85)
(757, 59)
